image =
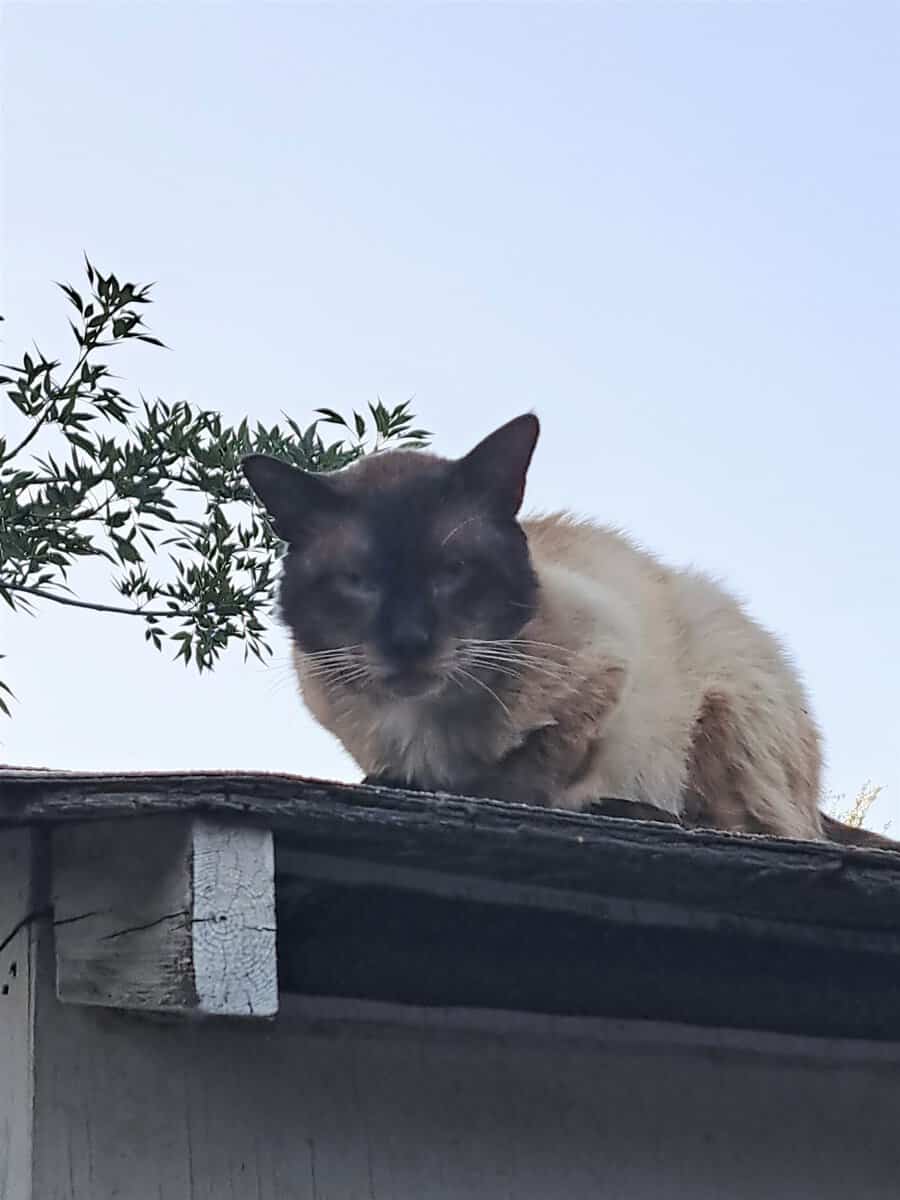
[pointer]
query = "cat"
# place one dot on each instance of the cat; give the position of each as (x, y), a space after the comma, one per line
(450, 646)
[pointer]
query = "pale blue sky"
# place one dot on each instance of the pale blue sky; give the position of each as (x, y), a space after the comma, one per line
(673, 230)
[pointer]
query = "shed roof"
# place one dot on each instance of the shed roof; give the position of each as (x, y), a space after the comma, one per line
(437, 899)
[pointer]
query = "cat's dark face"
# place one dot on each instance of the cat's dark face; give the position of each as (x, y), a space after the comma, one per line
(402, 568)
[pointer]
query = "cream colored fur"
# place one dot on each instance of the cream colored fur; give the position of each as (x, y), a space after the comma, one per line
(653, 685)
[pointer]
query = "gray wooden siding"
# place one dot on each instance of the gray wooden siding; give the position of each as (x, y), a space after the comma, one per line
(129, 1109)
(353, 1101)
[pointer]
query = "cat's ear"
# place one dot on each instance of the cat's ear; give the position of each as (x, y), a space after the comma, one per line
(498, 465)
(290, 495)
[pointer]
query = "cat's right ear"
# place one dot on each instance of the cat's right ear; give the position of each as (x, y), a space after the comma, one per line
(289, 495)
(498, 465)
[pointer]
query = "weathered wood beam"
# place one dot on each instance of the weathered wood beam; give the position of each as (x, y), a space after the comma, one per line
(813, 883)
(298, 869)
(165, 914)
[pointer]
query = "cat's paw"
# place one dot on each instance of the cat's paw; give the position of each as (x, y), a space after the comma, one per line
(385, 781)
(633, 810)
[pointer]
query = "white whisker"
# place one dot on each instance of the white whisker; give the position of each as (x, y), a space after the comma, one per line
(344, 667)
(493, 657)
(334, 673)
(512, 654)
(490, 691)
(486, 664)
(520, 676)
(346, 678)
(519, 642)
(314, 656)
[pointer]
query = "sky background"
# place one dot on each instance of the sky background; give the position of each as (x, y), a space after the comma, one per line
(672, 230)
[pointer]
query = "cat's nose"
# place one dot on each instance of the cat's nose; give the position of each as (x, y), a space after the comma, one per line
(410, 640)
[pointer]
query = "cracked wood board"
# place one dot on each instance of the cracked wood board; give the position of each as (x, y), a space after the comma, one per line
(166, 914)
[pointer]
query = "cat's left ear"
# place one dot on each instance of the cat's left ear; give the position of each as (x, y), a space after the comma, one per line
(498, 466)
(290, 495)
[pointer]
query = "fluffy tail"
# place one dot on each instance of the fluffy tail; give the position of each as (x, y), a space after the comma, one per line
(852, 835)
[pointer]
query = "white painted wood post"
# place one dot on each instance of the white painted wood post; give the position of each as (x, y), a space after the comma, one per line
(166, 914)
(18, 897)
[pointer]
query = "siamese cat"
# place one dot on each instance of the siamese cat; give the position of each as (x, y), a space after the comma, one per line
(452, 647)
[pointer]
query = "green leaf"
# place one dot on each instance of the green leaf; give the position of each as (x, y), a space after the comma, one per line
(124, 549)
(81, 442)
(72, 295)
(331, 417)
(381, 418)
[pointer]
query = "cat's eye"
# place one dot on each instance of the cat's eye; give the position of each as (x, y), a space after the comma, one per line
(352, 583)
(451, 574)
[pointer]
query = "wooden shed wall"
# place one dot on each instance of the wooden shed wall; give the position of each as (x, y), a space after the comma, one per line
(354, 1101)
(127, 1109)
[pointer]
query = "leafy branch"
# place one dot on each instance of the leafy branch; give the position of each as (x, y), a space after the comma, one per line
(154, 489)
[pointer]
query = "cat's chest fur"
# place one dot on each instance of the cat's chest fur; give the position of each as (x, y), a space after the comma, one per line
(428, 746)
